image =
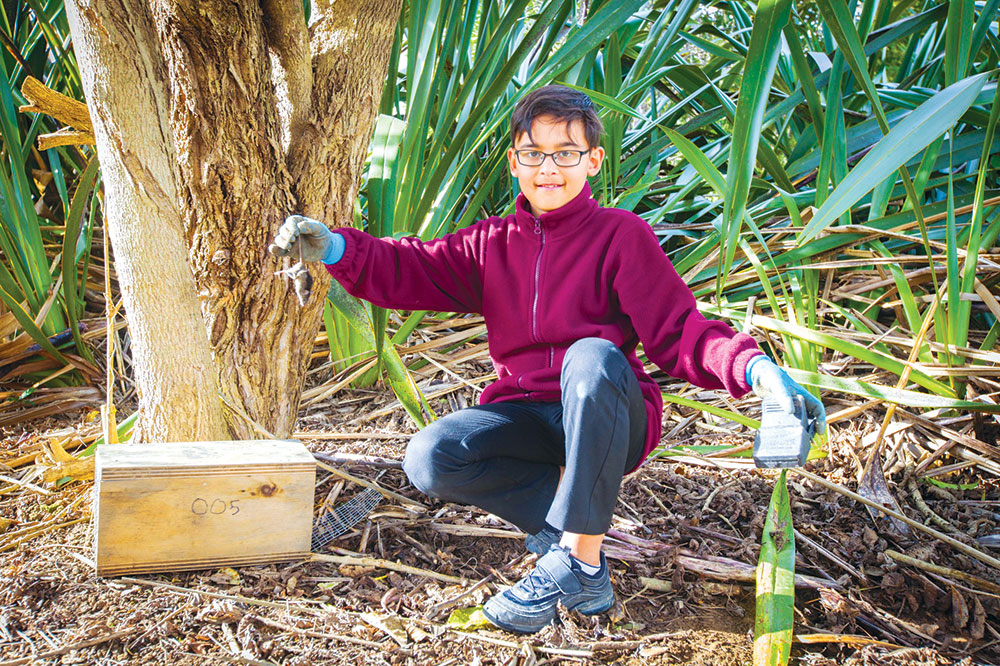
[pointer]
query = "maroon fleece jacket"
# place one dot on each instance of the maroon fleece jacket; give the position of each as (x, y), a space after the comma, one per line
(542, 284)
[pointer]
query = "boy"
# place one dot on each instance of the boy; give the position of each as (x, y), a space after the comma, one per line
(568, 289)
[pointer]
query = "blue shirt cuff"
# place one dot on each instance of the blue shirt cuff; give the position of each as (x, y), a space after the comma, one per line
(337, 246)
(752, 362)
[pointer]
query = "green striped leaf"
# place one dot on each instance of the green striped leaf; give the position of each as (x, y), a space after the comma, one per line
(854, 350)
(755, 89)
(71, 235)
(399, 378)
(958, 39)
(775, 608)
(911, 135)
(735, 417)
(889, 394)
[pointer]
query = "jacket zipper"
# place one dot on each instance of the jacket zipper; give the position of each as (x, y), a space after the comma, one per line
(539, 230)
(538, 269)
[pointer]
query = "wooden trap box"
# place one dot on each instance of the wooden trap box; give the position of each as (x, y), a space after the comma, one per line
(199, 505)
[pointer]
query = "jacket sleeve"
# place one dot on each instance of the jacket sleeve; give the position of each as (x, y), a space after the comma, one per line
(674, 334)
(444, 275)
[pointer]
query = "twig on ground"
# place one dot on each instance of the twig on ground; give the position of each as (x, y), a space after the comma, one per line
(384, 564)
(510, 644)
(725, 569)
(918, 499)
(718, 536)
(301, 434)
(663, 507)
(958, 545)
(90, 642)
(944, 571)
(616, 646)
(475, 530)
(830, 556)
(15, 540)
(27, 486)
(372, 485)
(712, 566)
(958, 586)
(847, 639)
(436, 609)
(218, 595)
(317, 634)
(716, 491)
(338, 458)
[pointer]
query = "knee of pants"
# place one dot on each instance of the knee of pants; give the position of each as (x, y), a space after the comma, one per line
(591, 363)
(422, 464)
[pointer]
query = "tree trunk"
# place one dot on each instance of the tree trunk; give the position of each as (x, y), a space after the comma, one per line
(261, 117)
(125, 82)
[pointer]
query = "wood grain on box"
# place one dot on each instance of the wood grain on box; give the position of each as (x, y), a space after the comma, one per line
(197, 505)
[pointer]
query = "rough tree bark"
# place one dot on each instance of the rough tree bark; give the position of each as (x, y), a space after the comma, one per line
(256, 116)
(126, 82)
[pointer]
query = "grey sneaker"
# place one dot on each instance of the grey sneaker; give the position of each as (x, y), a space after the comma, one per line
(540, 543)
(531, 604)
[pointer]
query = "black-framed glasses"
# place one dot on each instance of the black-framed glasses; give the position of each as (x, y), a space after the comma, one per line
(562, 158)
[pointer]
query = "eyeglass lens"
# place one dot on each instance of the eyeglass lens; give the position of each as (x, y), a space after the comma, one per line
(563, 158)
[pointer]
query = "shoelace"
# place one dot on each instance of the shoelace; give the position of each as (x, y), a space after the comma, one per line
(538, 578)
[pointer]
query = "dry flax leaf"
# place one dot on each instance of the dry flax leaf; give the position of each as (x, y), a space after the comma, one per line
(390, 625)
(977, 627)
(959, 609)
(58, 452)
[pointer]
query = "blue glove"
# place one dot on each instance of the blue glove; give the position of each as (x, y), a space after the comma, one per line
(767, 379)
(317, 242)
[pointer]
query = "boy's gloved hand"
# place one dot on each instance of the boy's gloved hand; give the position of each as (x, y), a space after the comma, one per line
(767, 379)
(318, 242)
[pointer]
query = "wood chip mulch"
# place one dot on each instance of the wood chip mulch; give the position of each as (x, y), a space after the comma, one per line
(872, 609)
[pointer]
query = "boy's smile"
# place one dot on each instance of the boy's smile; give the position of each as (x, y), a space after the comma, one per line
(549, 186)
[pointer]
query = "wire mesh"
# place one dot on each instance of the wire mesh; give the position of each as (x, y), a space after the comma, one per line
(343, 517)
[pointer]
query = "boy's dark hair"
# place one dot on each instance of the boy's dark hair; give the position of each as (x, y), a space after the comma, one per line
(563, 104)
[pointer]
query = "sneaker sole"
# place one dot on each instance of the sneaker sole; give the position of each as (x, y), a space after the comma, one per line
(511, 628)
(603, 607)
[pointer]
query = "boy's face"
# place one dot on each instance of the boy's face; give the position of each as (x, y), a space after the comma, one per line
(550, 186)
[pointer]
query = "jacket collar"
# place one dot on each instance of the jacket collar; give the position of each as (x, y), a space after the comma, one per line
(562, 219)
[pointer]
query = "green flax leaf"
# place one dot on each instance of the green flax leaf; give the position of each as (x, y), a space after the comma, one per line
(758, 71)
(400, 381)
(70, 237)
(772, 633)
(911, 135)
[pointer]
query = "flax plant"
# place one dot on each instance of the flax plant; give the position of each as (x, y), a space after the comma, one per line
(437, 161)
(779, 150)
(745, 135)
(818, 173)
(44, 240)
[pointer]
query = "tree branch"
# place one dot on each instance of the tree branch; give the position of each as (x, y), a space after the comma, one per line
(65, 137)
(288, 39)
(350, 42)
(65, 109)
(61, 107)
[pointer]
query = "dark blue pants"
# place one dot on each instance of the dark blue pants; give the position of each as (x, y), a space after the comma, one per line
(504, 457)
